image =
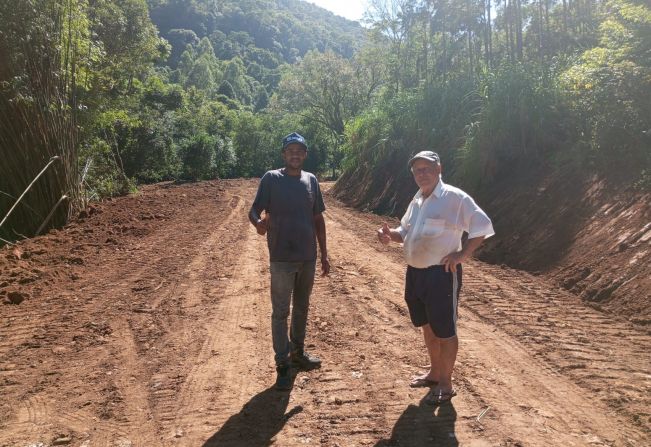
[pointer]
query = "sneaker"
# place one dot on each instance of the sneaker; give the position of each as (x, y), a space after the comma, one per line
(305, 361)
(284, 378)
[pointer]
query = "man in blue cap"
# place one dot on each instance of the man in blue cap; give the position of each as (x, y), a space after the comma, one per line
(431, 232)
(293, 222)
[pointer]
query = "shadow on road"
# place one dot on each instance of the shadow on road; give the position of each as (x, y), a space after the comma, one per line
(257, 422)
(424, 425)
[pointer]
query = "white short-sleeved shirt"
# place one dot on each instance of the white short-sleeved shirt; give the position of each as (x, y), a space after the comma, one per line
(432, 227)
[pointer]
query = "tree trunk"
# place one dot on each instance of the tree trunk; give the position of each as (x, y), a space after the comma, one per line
(547, 15)
(518, 27)
(489, 29)
(484, 18)
(469, 33)
(564, 39)
(540, 31)
(509, 30)
(470, 58)
(426, 24)
(445, 57)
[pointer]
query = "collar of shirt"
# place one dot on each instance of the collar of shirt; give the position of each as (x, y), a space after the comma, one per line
(438, 190)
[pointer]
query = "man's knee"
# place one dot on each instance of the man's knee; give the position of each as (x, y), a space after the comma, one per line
(280, 314)
(448, 341)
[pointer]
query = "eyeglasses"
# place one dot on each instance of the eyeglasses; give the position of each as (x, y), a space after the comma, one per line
(425, 170)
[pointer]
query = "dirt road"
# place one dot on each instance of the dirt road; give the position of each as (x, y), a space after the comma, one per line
(147, 323)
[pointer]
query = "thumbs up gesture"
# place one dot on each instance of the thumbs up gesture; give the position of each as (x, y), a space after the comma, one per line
(384, 234)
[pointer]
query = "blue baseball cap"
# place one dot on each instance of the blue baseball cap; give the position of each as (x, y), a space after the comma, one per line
(294, 138)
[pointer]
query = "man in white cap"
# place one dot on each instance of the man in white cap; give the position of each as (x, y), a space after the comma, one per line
(293, 222)
(431, 231)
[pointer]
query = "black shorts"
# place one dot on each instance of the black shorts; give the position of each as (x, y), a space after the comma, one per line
(432, 296)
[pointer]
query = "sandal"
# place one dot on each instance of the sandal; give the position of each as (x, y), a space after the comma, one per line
(422, 382)
(437, 397)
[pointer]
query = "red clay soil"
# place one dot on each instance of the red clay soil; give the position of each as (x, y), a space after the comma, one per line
(146, 322)
(591, 237)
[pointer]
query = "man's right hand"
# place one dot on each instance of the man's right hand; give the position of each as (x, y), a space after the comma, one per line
(384, 234)
(261, 226)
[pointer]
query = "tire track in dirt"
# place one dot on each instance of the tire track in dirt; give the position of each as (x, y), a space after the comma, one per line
(607, 357)
(36, 411)
(184, 328)
(177, 348)
(214, 383)
(170, 324)
(145, 397)
(120, 410)
(236, 356)
(138, 388)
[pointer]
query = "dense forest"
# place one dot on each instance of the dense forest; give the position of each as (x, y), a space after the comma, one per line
(98, 96)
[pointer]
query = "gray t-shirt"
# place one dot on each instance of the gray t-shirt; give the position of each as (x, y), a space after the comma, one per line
(291, 203)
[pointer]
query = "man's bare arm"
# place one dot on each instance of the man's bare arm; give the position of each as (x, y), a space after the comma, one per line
(255, 219)
(320, 229)
(450, 261)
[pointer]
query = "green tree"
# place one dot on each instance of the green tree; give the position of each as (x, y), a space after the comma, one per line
(226, 89)
(128, 40)
(255, 147)
(328, 90)
(611, 87)
(198, 155)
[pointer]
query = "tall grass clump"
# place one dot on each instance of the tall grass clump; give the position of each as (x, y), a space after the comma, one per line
(37, 115)
(519, 119)
(380, 142)
(414, 120)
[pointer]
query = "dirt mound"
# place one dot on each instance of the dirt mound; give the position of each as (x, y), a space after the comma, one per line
(590, 236)
(34, 265)
(383, 190)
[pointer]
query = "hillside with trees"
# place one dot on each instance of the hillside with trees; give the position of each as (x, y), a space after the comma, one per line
(131, 91)
(542, 110)
(538, 83)
(104, 96)
(132, 284)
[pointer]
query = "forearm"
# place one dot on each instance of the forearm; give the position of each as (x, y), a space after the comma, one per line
(254, 216)
(396, 236)
(470, 246)
(320, 229)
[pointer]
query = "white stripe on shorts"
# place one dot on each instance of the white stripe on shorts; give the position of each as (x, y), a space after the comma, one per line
(455, 298)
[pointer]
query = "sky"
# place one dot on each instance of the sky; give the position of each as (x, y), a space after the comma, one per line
(350, 9)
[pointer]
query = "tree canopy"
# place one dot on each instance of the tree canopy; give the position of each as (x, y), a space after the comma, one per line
(133, 91)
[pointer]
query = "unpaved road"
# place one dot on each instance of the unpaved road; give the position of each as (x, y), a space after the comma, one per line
(147, 323)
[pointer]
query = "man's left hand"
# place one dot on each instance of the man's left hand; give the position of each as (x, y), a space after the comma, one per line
(325, 266)
(452, 260)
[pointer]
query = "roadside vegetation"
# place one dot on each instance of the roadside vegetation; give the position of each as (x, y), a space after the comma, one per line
(127, 92)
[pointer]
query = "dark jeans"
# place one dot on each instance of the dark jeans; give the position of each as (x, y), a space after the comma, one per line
(291, 282)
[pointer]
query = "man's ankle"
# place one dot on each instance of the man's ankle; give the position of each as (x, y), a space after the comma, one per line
(284, 377)
(304, 360)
